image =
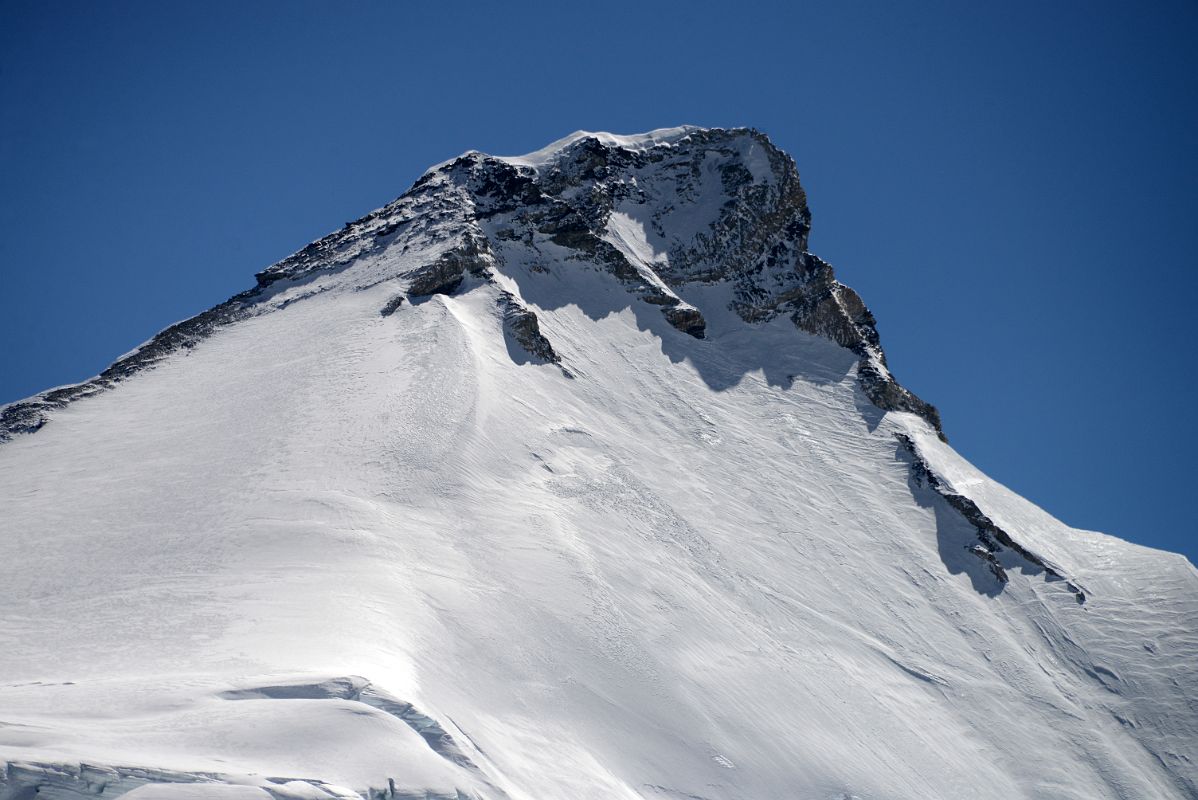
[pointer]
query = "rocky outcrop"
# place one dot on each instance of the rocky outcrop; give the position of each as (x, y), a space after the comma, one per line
(521, 324)
(392, 306)
(991, 538)
(686, 319)
(887, 394)
(445, 275)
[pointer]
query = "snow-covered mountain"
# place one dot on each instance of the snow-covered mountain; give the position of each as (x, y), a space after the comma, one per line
(569, 475)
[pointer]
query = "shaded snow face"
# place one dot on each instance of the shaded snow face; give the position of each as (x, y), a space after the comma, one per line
(544, 481)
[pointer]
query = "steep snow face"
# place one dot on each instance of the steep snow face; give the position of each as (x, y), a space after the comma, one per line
(571, 475)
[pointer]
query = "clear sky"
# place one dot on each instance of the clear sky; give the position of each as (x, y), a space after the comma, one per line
(1012, 187)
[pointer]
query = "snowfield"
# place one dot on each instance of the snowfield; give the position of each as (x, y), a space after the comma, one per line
(332, 552)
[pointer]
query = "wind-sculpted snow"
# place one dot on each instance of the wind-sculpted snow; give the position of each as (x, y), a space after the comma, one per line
(571, 475)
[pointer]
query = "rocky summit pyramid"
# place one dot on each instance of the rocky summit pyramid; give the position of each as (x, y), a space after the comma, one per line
(571, 475)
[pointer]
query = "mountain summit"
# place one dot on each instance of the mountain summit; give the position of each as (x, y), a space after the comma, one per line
(573, 474)
(661, 212)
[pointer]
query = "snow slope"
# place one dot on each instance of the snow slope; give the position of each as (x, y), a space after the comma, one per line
(362, 534)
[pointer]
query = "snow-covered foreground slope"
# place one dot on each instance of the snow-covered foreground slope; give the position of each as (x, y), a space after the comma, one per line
(374, 527)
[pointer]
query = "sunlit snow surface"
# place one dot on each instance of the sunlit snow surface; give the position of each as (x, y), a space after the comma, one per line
(696, 569)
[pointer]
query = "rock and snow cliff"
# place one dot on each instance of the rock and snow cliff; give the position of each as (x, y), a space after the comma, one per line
(567, 475)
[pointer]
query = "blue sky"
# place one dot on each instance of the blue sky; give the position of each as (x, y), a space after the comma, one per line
(1011, 187)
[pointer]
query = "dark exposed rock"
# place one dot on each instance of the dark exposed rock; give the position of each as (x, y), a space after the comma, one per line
(521, 324)
(991, 538)
(445, 275)
(886, 393)
(991, 560)
(392, 305)
(687, 319)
